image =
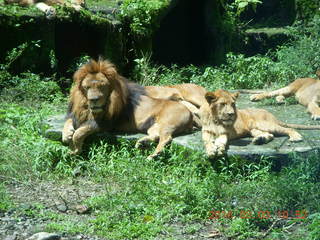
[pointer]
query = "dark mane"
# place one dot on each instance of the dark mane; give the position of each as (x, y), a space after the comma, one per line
(135, 91)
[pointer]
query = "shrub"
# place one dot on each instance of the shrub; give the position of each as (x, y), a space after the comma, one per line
(142, 15)
(31, 87)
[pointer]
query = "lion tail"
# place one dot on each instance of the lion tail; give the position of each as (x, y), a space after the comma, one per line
(299, 126)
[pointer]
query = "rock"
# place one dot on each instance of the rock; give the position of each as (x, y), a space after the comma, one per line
(82, 209)
(12, 237)
(261, 40)
(279, 148)
(45, 236)
(62, 208)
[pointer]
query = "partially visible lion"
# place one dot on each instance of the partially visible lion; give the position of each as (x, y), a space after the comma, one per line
(103, 100)
(222, 121)
(189, 94)
(187, 91)
(306, 91)
(46, 5)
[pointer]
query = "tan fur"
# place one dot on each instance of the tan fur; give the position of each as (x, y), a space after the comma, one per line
(189, 94)
(306, 91)
(99, 100)
(46, 5)
(222, 121)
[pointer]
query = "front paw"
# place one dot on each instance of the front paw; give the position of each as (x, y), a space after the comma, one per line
(76, 151)
(216, 151)
(67, 137)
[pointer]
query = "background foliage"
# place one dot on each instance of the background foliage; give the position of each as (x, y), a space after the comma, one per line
(144, 199)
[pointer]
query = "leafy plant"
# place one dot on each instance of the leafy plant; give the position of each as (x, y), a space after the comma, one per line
(142, 15)
(6, 78)
(242, 5)
(31, 86)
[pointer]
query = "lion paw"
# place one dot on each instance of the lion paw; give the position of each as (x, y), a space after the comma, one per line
(152, 156)
(67, 136)
(280, 99)
(296, 137)
(315, 117)
(256, 97)
(76, 151)
(216, 151)
(262, 139)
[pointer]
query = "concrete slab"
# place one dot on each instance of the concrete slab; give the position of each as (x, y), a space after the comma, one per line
(280, 147)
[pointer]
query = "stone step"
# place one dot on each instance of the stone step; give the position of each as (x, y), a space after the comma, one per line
(280, 148)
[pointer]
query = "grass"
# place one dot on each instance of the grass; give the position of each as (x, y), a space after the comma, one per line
(143, 199)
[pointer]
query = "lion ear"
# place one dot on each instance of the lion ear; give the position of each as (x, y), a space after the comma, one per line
(80, 74)
(108, 69)
(235, 95)
(211, 97)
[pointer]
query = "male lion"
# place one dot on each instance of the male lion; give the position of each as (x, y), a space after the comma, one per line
(189, 94)
(306, 91)
(46, 5)
(103, 100)
(221, 121)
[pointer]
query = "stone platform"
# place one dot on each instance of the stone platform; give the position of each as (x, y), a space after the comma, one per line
(279, 148)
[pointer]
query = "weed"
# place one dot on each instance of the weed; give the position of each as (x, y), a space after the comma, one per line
(5, 201)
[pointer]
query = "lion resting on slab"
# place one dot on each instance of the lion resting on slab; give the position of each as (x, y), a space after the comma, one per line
(306, 91)
(189, 94)
(222, 121)
(103, 100)
(46, 5)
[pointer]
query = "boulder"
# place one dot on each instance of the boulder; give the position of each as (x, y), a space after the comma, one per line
(279, 148)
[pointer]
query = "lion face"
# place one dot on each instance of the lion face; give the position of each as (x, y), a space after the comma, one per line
(223, 105)
(97, 89)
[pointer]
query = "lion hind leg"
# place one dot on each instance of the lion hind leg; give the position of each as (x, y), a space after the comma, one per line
(261, 137)
(163, 141)
(274, 128)
(153, 136)
(192, 108)
(281, 93)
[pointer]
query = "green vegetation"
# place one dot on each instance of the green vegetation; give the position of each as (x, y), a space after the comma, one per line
(145, 199)
(299, 58)
(142, 15)
(5, 201)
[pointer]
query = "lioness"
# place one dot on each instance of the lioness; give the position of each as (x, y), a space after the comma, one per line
(103, 100)
(306, 91)
(221, 121)
(46, 5)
